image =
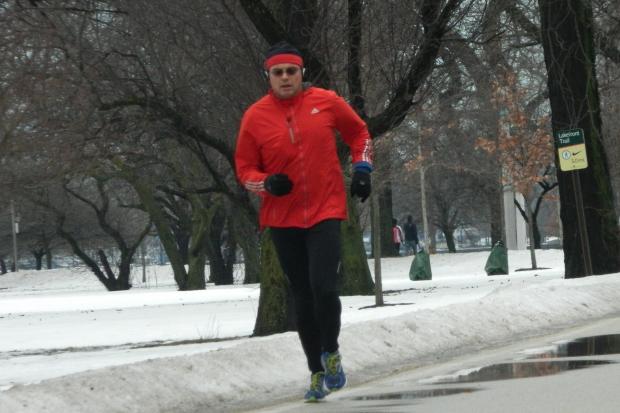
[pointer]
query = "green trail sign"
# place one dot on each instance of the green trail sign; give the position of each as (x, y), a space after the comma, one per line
(571, 149)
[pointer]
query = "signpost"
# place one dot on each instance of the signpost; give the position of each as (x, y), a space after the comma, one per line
(572, 154)
(14, 231)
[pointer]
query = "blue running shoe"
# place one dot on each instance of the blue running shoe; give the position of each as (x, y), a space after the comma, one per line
(317, 389)
(335, 378)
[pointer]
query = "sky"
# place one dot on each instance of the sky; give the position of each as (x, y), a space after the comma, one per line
(66, 344)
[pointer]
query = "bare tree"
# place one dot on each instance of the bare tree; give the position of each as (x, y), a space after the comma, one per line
(568, 41)
(145, 83)
(100, 201)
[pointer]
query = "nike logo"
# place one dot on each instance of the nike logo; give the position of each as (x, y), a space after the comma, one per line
(314, 111)
(576, 153)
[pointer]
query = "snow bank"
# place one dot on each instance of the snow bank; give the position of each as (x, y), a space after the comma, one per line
(262, 371)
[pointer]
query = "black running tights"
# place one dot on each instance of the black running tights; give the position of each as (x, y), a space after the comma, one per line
(310, 259)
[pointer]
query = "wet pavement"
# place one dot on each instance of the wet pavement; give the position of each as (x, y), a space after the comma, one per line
(576, 370)
(585, 346)
(505, 371)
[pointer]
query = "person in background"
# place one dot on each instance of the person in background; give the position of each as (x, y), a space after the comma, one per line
(411, 236)
(286, 154)
(397, 236)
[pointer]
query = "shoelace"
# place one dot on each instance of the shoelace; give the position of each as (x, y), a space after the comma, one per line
(316, 382)
(332, 363)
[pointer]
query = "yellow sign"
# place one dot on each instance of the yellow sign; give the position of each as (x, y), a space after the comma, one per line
(573, 157)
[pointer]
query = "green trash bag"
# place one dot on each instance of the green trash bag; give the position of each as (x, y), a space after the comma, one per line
(420, 267)
(497, 263)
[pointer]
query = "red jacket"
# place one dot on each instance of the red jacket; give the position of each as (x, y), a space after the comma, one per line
(296, 137)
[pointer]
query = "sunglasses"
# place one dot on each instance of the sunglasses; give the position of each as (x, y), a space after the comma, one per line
(279, 72)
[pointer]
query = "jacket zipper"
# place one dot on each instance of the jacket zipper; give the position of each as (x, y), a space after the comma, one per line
(291, 134)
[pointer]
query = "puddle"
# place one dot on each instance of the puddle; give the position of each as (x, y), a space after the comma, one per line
(415, 394)
(505, 371)
(586, 346)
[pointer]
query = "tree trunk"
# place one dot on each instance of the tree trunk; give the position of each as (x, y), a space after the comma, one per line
(230, 252)
(38, 257)
(275, 307)
(530, 230)
(536, 231)
(197, 247)
(450, 240)
(249, 242)
(567, 37)
(385, 211)
(431, 246)
(48, 258)
(182, 240)
(219, 274)
(196, 272)
(124, 270)
(120, 282)
(495, 205)
(534, 223)
(164, 230)
(355, 274)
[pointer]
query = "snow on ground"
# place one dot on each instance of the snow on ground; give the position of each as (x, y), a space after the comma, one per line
(67, 345)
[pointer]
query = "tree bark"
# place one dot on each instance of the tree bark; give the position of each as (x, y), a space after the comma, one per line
(275, 307)
(220, 273)
(120, 282)
(354, 263)
(248, 237)
(197, 247)
(164, 230)
(432, 241)
(386, 214)
(450, 240)
(230, 252)
(124, 270)
(496, 207)
(48, 258)
(38, 257)
(530, 230)
(567, 37)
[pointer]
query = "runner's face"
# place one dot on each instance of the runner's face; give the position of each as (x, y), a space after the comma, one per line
(285, 80)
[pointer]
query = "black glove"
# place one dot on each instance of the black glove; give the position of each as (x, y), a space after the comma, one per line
(360, 185)
(278, 184)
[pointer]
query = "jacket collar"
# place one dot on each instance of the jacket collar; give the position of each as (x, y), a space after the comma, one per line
(291, 101)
